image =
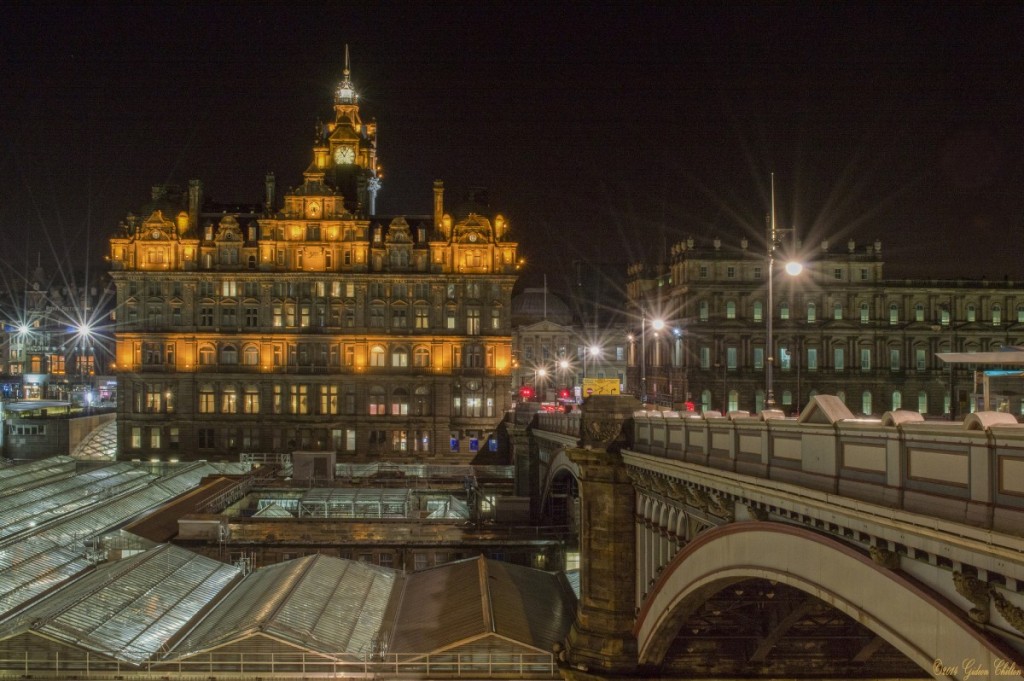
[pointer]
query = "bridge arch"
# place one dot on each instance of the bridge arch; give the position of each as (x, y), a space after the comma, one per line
(560, 467)
(914, 620)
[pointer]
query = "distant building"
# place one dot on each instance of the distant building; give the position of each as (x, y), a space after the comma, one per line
(53, 342)
(554, 351)
(314, 323)
(840, 328)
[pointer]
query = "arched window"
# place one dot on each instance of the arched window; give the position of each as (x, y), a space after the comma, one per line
(758, 311)
(734, 400)
(704, 310)
(251, 400)
(399, 357)
(897, 399)
(251, 356)
(705, 400)
(837, 311)
(922, 402)
(919, 313)
(207, 355)
(229, 355)
(399, 402)
(784, 311)
(972, 313)
(865, 402)
(1020, 314)
(421, 403)
(730, 309)
(894, 313)
(378, 357)
(207, 399)
(865, 315)
(229, 400)
(375, 401)
(812, 312)
(421, 357)
(997, 315)
(787, 398)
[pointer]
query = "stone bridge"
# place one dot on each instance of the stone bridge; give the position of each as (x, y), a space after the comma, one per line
(824, 546)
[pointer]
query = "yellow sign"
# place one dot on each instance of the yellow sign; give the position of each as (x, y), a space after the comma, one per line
(600, 386)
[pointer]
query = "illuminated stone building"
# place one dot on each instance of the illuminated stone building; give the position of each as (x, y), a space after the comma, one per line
(313, 323)
(52, 345)
(840, 328)
(553, 352)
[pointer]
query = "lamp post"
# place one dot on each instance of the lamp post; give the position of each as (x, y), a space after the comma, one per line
(539, 375)
(657, 325)
(792, 269)
(563, 371)
(592, 351)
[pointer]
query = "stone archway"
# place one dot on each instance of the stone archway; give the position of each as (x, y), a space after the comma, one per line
(922, 626)
(561, 473)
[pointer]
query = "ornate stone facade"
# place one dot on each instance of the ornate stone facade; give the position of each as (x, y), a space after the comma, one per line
(840, 328)
(314, 324)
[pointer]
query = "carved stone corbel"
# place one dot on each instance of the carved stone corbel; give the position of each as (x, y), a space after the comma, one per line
(885, 557)
(757, 512)
(720, 506)
(977, 592)
(1010, 612)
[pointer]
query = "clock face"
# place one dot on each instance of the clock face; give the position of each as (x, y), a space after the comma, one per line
(344, 155)
(473, 236)
(313, 209)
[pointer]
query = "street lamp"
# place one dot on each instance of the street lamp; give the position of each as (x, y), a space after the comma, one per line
(657, 325)
(792, 269)
(539, 375)
(592, 351)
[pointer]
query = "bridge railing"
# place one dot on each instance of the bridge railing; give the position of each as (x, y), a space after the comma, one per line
(970, 472)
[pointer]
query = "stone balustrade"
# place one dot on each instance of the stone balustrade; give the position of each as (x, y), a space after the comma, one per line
(970, 472)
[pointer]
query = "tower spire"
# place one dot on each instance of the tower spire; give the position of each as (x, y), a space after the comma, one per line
(346, 92)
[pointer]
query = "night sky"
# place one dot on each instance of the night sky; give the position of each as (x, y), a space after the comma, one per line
(604, 132)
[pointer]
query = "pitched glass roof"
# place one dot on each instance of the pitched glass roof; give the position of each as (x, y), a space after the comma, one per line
(129, 609)
(38, 505)
(24, 476)
(323, 604)
(519, 603)
(44, 557)
(355, 503)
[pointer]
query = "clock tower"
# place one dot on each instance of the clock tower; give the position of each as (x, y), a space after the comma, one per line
(351, 161)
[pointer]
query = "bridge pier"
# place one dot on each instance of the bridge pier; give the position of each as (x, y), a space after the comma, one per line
(601, 642)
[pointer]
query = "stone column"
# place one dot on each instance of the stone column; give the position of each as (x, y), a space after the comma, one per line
(601, 641)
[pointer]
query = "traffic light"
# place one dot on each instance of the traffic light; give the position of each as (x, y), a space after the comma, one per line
(563, 394)
(526, 392)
